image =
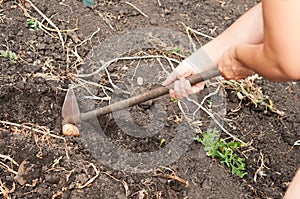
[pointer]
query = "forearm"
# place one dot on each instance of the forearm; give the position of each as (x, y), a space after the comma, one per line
(247, 29)
(259, 59)
(277, 58)
(293, 190)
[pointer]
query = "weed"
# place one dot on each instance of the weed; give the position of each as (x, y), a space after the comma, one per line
(33, 24)
(11, 56)
(216, 147)
(247, 91)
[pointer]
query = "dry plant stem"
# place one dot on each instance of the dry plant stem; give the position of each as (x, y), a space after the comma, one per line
(137, 9)
(297, 143)
(159, 3)
(88, 39)
(197, 32)
(216, 121)
(59, 193)
(83, 83)
(173, 177)
(135, 69)
(7, 167)
(5, 191)
(125, 185)
(90, 181)
(110, 81)
(106, 21)
(49, 21)
(5, 157)
(108, 63)
(260, 171)
(45, 131)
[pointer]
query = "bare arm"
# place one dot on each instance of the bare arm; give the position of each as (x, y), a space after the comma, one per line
(293, 190)
(247, 29)
(278, 57)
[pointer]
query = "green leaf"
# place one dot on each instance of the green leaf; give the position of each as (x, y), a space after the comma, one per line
(88, 3)
(219, 148)
(3, 53)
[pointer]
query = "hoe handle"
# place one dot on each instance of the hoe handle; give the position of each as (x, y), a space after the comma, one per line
(154, 93)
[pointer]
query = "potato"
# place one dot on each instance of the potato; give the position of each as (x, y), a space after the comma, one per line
(70, 130)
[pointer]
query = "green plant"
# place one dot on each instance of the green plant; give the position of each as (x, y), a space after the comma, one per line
(172, 99)
(88, 3)
(216, 147)
(209, 103)
(33, 24)
(11, 56)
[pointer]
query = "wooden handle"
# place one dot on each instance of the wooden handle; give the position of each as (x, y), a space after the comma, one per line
(154, 93)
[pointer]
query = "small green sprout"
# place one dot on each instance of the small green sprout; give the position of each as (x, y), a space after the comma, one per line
(162, 141)
(173, 99)
(209, 103)
(33, 24)
(216, 147)
(176, 50)
(11, 56)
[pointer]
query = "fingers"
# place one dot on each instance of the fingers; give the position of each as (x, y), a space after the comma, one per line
(183, 88)
(171, 78)
(198, 87)
(183, 69)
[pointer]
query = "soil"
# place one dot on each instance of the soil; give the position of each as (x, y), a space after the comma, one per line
(130, 153)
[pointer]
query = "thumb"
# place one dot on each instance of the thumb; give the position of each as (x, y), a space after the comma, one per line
(171, 78)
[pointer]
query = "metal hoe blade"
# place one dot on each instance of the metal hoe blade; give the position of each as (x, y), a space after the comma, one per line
(70, 109)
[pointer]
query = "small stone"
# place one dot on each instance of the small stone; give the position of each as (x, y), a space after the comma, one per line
(140, 81)
(153, 22)
(24, 169)
(52, 179)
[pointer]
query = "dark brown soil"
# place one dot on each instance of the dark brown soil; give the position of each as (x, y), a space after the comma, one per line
(116, 155)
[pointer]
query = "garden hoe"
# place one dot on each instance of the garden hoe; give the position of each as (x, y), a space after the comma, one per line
(71, 113)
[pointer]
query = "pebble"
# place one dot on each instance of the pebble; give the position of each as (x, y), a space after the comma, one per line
(153, 22)
(53, 179)
(140, 81)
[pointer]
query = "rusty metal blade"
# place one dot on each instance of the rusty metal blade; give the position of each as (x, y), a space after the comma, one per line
(70, 109)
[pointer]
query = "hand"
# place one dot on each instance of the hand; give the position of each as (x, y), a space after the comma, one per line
(182, 87)
(231, 68)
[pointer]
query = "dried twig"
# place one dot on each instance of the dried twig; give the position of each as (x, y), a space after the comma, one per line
(5, 191)
(159, 173)
(8, 168)
(49, 21)
(5, 157)
(216, 121)
(197, 32)
(125, 185)
(90, 181)
(297, 143)
(137, 9)
(260, 170)
(108, 63)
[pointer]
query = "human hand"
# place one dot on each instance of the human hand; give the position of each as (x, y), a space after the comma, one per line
(231, 68)
(182, 87)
